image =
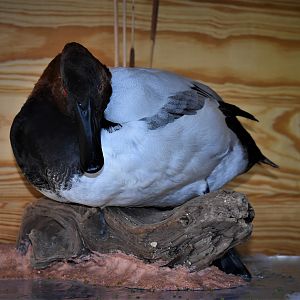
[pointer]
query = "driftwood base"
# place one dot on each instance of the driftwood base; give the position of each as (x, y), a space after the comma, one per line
(194, 234)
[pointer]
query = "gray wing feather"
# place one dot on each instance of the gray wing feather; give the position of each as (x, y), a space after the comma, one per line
(182, 103)
(206, 91)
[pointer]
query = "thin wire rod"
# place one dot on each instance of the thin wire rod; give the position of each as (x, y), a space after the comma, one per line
(124, 34)
(132, 54)
(116, 33)
(155, 5)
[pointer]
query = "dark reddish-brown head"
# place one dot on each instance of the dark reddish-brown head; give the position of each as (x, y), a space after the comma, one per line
(86, 84)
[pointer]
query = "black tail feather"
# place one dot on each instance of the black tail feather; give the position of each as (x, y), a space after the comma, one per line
(231, 263)
(267, 161)
(254, 154)
(230, 110)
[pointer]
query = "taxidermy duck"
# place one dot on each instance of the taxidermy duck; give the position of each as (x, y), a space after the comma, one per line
(127, 136)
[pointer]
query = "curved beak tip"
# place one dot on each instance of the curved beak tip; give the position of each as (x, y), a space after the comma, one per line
(93, 170)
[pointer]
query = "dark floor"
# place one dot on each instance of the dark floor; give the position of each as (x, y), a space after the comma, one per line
(276, 277)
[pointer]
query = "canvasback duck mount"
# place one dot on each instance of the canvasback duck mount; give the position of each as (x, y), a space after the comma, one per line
(127, 136)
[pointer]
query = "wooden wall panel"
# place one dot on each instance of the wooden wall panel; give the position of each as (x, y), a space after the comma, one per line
(248, 51)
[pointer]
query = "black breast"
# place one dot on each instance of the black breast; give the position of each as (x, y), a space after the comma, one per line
(45, 145)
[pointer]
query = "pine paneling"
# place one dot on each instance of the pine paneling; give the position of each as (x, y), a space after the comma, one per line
(248, 51)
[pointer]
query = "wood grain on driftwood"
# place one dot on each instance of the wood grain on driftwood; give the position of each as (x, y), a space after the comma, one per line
(193, 234)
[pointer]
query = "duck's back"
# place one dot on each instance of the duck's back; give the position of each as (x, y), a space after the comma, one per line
(139, 93)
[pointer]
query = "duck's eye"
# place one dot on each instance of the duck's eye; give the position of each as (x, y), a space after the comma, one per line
(79, 104)
(64, 92)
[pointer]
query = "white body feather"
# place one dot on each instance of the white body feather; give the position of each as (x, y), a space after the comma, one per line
(165, 166)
